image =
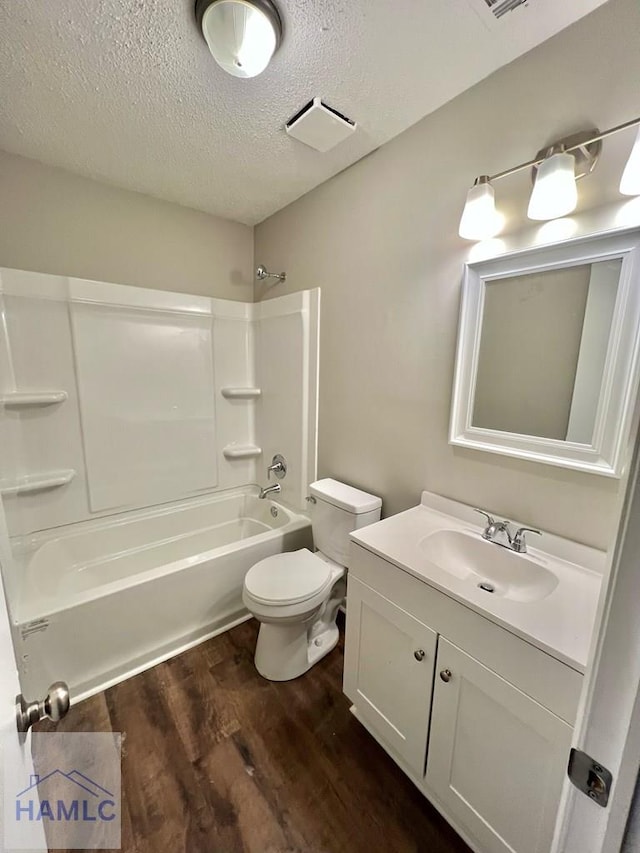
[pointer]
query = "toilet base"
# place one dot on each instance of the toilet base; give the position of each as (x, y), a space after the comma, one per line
(285, 651)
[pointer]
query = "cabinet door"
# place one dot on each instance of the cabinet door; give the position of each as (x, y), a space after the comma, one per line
(388, 674)
(496, 757)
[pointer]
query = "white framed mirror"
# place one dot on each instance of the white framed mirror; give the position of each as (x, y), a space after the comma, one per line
(548, 353)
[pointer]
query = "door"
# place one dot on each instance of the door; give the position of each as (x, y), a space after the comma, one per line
(388, 672)
(608, 724)
(497, 758)
(15, 755)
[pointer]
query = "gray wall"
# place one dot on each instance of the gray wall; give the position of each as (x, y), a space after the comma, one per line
(55, 222)
(381, 241)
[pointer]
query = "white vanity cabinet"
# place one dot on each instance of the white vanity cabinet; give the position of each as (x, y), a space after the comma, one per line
(497, 757)
(390, 659)
(496, 712)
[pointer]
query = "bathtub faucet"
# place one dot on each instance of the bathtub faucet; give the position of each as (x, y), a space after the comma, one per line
(269, 489)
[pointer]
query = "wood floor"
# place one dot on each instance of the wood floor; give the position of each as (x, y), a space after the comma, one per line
(218, 760)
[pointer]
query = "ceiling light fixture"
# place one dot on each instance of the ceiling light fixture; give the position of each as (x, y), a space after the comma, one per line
(242, 35)
(555, 172)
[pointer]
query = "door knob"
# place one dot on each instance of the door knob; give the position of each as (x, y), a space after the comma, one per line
(53, 707)
(419, 654)
(446, 675)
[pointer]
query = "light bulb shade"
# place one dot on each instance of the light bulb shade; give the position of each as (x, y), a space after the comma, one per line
(630, 182)
(480, 219)
(242, 35)
(554, 192)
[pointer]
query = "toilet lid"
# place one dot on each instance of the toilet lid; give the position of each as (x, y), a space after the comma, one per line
(287, 578)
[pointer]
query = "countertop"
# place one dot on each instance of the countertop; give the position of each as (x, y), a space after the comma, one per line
(560, 624)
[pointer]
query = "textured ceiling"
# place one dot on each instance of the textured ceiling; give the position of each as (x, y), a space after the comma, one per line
(126, 92)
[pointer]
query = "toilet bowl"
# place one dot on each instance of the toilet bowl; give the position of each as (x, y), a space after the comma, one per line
(296, 595)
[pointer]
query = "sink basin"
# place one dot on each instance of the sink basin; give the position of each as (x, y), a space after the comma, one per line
(493, 569)
(548, 597)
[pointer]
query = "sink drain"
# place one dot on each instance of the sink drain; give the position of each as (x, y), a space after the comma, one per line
(486, 587)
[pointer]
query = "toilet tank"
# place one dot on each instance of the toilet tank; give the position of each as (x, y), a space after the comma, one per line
(339, 509)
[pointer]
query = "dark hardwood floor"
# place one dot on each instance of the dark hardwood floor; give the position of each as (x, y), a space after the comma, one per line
(218, 760)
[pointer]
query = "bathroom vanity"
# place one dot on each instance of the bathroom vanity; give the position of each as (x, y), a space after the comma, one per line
(466, 662)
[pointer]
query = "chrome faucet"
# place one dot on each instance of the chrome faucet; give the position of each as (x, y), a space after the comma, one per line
(499, 532)
(269, 490)
(278, 467)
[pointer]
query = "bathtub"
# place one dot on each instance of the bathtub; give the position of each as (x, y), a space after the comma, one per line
(103, 600)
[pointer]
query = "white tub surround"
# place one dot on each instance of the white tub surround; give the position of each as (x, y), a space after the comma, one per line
(135, 426)
(102, 600)
(154, 396)
(287, 336)
(465, 660)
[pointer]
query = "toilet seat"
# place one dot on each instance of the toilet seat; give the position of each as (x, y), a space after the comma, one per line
(290, 578)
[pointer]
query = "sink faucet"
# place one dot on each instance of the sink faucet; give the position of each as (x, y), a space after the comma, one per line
(499, 532)
(268, 490)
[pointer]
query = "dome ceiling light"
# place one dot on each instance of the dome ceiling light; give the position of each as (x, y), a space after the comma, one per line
(242, 35)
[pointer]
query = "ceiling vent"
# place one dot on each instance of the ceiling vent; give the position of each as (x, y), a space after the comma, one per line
(320, 126)
(501, 7)
(494, 14)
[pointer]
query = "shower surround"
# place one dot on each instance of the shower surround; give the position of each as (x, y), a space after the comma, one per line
(136, 426)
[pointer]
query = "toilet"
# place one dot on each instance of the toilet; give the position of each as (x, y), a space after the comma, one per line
(296, 595)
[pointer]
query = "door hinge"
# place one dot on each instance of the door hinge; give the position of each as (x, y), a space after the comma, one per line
(590, 777)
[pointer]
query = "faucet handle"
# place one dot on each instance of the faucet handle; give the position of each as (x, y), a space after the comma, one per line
(278, 466)
(518, 541)
(490, 519)
(522, 530)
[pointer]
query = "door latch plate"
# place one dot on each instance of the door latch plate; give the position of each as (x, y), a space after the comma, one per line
(590, 777)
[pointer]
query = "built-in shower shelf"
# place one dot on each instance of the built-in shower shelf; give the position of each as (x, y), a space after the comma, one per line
(241, 451)
(25, 399)
(241, 393)
(37, 482)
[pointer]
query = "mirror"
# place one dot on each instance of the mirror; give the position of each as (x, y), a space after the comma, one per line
(543, 345)
(547, 363)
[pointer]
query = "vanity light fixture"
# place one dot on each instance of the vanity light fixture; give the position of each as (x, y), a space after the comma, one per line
(630, 182)
(242, 35)
(555, 172)
(480, 219)
(554, 190)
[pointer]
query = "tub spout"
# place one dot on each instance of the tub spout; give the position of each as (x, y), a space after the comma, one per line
(269, 490)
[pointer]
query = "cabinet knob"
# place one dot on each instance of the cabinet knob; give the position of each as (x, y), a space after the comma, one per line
(446, 675)
(419, 654)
